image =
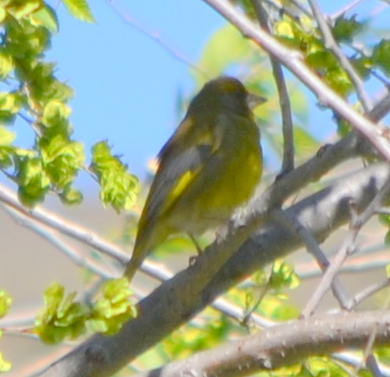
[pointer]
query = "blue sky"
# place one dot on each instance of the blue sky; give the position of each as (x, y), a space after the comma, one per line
(125, 83)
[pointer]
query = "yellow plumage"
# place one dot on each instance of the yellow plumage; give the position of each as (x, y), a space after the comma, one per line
(209, 167)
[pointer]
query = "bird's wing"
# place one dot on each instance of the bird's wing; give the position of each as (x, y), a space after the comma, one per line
(181, 160)
(174, 178)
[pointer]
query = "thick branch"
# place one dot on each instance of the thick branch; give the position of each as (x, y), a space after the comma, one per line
(283, 345)
(180, 298)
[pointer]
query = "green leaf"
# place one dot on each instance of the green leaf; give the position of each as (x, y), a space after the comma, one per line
(55, 112)
(10, 105)
(3, 14)
(22, 8)
(117, 186)
(44, 87)
(343, 127)
(62, 160)
(79, 9)
(305, 144)
(6, 153)
(71, 196)
(6, 64)
(295, 36)
(362, 66)
(345, 29)
(381, 56)
(387, 270)
(113, 308)
(283, 275)
(5, 303)
(384, 220)
(4, 365)
(33, 181)
(46, 17)
(6, 136)
(387, 238)
(61, 317)
(224, 48)
(320, 58)
(25, 43)
(338, 80)
(6, 149)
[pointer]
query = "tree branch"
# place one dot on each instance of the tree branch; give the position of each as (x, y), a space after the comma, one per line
(77, 232)
(331, 44)
(282, 345)
(376, 134)
(284, 100)
(179, 299)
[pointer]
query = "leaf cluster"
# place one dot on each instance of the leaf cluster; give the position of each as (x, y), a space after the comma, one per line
(40, 99)
(64, 318)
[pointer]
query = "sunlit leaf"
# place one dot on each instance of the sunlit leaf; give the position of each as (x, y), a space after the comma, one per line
(79, 9)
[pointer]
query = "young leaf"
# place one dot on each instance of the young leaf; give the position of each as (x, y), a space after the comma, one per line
(113, 308)
(118, 187)
(381, 56)
(61, 317)
(79, 9)
(46, 17)
(5, 303)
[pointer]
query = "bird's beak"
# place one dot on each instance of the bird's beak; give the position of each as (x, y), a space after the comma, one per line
(253, 100)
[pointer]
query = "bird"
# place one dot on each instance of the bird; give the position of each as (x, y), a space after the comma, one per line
(208, 168)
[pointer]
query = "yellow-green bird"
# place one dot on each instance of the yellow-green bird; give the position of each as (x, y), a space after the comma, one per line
(209, 167)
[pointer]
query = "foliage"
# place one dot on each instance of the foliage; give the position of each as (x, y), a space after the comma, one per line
(79, 9)
(31, 92)
(118, 188)
(36, 94)
(5, 304)
(63, 318)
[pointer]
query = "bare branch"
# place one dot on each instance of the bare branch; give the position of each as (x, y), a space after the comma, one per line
(64, 226)
(376, 134)
(331, 44)
(55, 239)
(284, 100)
(282, 345)
(180, 298)
(156, 38)
(312, 247)
(346, 249)
(366, 293)
(345, 9)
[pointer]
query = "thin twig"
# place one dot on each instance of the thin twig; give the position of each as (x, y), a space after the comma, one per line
(331, 44)
(372, 366)
(345, 9)
(281, 9)
(77, 232)
(366, 293)
(284, 100)
(155, 38)
(49, 235)
(371, 362)
(312, 246)
(358, 264)
(376, 134)
(355, 360)
(298, 4)
(348, 246)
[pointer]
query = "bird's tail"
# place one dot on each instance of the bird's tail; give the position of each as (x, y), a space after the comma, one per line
(132, 267)
(146, 241)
